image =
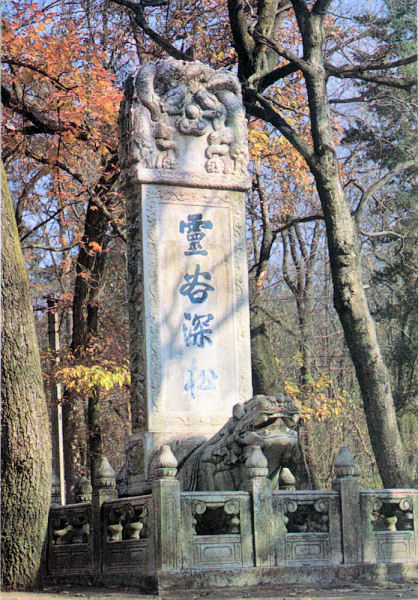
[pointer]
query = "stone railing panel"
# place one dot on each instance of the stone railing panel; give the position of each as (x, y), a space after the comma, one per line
(70, 540)
(216, 530)
(309, 525)
(389, 524)
(126, 534)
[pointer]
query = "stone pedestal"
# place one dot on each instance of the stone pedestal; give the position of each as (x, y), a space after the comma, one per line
(184, 154)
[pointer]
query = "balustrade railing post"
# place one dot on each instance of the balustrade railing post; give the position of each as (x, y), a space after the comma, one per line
(104, 488)
(347, 484)
(83, 490)
(259, 486)
(166, 515)
(55, 490)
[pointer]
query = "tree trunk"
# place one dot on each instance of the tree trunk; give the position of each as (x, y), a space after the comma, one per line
(26, 444)
(303, 464)
(263, 364)
(90, 269)
(349, 296)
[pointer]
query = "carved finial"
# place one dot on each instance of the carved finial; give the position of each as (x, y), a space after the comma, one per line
(176, 109)
(166, 463)
(344, 465)
(55, 489)
(256, 463)
(287, 480)
(105, 476)
(83, 490)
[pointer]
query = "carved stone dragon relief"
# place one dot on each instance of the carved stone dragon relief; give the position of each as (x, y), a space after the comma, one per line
(168, 100)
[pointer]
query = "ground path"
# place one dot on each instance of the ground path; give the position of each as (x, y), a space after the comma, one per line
(348, 592)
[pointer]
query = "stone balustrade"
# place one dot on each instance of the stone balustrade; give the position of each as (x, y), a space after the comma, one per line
(133, 540)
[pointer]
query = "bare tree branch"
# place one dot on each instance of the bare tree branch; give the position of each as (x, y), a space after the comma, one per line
(366, 193)
(138, 10)
(270, 115)
(358, 72)
(293, 222)
(302, 64)
(31, 67)
(381, 233)
(41, 122)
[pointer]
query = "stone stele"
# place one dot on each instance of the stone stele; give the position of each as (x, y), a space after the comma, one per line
(184, 155)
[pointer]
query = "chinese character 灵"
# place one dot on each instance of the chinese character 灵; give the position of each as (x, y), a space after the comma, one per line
(194, 225)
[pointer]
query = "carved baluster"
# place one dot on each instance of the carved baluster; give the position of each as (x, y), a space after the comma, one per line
(407, 518)
(231, 508)
(322, 522)
(60, 528)
(135, 522)
(114, 526)
(80, 528)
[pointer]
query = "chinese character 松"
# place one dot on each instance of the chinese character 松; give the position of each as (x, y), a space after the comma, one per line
(203, 379)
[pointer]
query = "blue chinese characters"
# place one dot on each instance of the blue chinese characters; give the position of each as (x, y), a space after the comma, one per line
(197, 332)
(195, 235)
(197, 327)
(196, 290)
(199, 379)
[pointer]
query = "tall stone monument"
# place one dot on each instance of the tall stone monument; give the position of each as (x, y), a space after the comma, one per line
(183, 149)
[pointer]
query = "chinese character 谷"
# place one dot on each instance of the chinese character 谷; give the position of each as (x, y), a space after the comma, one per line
(194, 234)
(197, 333)
(203, 380)
(195, 289)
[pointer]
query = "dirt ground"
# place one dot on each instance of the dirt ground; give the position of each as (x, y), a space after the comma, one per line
(348, 592)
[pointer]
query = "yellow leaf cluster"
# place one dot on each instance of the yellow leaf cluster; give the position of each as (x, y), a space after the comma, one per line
(84, 379)
(317, 400)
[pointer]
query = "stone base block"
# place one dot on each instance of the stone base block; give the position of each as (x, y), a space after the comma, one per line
(211, 579)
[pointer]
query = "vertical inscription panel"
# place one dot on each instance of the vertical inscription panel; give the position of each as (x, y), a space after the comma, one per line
(196, 307)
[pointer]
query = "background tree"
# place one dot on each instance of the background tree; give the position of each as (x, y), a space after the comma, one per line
(60, 122)
(26, 449)
(381, 137)
(258, 51)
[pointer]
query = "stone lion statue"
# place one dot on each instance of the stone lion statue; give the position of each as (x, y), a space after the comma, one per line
(219, 463)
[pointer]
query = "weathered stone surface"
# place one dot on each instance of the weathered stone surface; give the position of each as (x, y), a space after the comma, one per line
(55, 489)
(265, 531)
(216, 530)
(218, 538)
(347, 484)
(83, 490)
(184, 123)
(167, 525)
(184, 155)
(389, 525)
(220, 463)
